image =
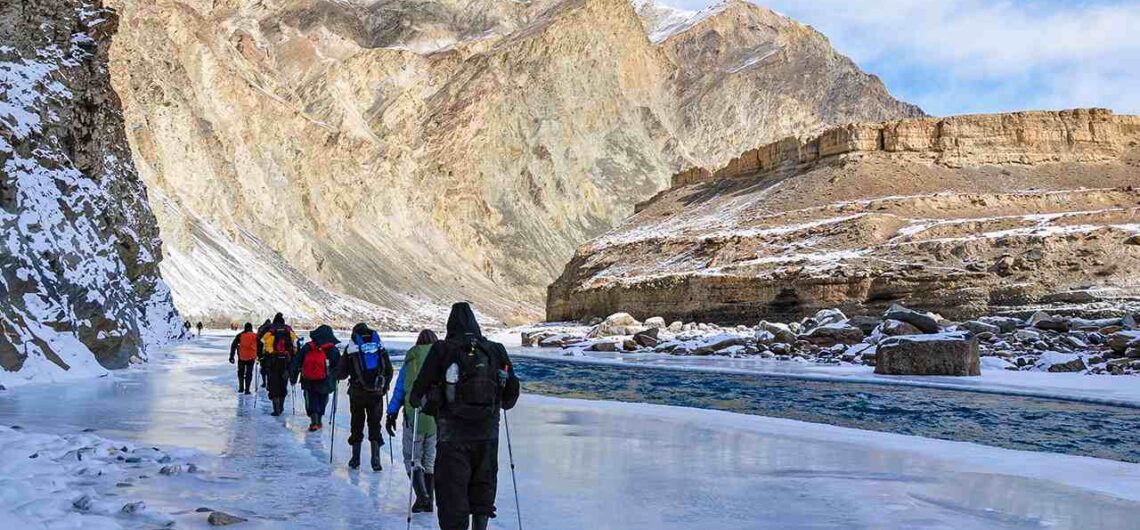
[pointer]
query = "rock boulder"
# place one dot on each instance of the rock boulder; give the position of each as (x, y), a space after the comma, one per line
(953, 354)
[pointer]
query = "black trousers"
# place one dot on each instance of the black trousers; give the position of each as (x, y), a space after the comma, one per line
(466, 479)
(245, 374)
(316, 401)
(276, 375)
(367, 408)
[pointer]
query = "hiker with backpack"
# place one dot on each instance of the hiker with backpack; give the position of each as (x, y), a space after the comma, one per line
(245, 346)
(199, 329)
(368, 368)
(464, 383)
(279, 343)
(314, 364)
(419, 428)
(261, 331)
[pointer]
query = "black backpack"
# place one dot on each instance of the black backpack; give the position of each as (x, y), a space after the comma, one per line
(475, 394)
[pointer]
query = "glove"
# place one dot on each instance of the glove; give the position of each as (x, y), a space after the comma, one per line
(390, 424)
(231, 360)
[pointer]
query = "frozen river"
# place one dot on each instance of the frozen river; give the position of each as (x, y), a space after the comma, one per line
(582, 464)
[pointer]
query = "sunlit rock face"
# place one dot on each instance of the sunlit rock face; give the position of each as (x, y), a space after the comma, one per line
(80, 288)
(965, 216)
(344, 160)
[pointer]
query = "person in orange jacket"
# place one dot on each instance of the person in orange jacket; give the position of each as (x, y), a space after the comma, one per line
(245, 347)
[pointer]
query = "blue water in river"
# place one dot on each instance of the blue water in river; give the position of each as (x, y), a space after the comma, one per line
(1015, 422)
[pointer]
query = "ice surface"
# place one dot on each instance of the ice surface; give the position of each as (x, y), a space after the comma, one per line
(581, 464)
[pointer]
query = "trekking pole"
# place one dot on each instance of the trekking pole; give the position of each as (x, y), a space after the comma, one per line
(294, 400)
(412, 477)
(391, 439)
(332, 429)
(511, 455)
(257, 387)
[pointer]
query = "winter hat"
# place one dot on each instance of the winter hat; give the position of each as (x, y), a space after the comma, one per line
(248, 326)
(278, 319)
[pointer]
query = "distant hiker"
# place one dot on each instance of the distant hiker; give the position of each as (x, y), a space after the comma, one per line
(186, 333)
(314, 364)
(261, 331)
(245, 346)
(368, 368)
(419, 442)
(278, 345)
(199, 328)
(464, 382)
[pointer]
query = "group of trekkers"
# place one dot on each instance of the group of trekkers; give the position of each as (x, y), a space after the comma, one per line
(450, 391)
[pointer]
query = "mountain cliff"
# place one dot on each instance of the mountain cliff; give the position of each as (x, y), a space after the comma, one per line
(374, 159)
(80, 289)
(964, 215)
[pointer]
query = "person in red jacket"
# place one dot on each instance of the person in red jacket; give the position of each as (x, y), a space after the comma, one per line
(245, 347)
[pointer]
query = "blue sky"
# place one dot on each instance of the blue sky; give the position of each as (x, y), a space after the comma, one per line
(964, 56)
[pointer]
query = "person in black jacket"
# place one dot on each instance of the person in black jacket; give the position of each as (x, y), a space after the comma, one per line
(464, 382)
(368, 368)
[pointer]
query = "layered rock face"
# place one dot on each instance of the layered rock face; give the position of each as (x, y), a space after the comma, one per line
(379, 159)
(963, 216)
(80, 285)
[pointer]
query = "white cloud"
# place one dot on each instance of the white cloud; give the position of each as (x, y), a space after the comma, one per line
(954, 56)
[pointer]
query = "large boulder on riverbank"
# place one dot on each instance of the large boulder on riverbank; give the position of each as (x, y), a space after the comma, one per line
(936, 354)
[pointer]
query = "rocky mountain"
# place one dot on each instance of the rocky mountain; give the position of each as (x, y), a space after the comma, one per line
(964, 216)
(375, 159)
(80, 288)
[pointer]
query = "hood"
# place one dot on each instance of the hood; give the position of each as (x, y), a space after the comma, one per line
(361, 330)
(323, 335)
(249, 326)
(461, 324)
(278, 319)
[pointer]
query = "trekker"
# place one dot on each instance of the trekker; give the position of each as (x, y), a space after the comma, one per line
(199, 328)
(464, 382)
(314, 364)
(279, 343)
(261, 331)
(245, 346)
(419, 443)
(368, 368)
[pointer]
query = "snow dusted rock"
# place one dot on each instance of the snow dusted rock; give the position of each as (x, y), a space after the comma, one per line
(1120, 340)
(824, 317)
(717, 343)
(891, 328)
(865, 323)
(925, 322)
(604, 345)
(782, 332)
(1060, 362)
(977, 327)
(223, 519)
(647, 338)
(617, 324)
(1043, 320)
(831, 334)
(676, 326)
(1006, 324)
(997, 363)
(932, 354)
(80, 252)
(655, 322)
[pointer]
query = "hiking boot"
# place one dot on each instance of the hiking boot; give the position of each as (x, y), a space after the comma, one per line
(375, 457)
(247, 392)
(479, 522)
(419, 485)
(354, 462)
(313, 425)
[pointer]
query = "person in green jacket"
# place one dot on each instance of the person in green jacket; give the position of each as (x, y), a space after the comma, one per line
(419, 455)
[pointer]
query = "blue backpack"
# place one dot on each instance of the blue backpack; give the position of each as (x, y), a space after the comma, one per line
(370, 367)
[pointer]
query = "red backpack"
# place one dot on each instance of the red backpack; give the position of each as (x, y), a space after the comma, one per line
(314, 367)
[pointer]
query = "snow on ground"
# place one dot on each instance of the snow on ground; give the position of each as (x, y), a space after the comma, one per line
(580, 464)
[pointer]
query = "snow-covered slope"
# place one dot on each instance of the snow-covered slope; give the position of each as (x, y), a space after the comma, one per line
(80, 289)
